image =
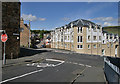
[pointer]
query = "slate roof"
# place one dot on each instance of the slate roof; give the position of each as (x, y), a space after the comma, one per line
(27, 26)
(80, 23)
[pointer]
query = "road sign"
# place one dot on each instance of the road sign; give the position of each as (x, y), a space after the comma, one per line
(4, 37)
(1, 30)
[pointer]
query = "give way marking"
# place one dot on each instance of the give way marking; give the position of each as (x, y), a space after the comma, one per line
(21, 76)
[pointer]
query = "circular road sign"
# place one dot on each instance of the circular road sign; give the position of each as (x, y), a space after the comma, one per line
(4, 37)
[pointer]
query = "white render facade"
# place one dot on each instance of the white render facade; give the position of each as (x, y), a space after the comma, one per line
(85, 37)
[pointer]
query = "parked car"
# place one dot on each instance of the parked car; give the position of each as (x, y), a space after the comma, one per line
(43, 46)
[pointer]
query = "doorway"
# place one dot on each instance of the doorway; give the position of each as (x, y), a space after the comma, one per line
(103, 52)
(116, 50)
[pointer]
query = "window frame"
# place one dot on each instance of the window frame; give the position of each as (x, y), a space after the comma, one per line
(79, 39)
(79, 47)
(80, 30)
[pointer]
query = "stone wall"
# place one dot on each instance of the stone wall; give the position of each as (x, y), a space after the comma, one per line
(11, 24)
(24, 35)
(0, 29)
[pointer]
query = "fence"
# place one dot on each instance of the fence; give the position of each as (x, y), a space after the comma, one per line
(112, 69)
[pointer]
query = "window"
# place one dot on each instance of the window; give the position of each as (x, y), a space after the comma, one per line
(72, 37)
(88, 46)
(72, 46)
(94, 37)
(61, 40)
(61, 33)
(103, 41)
(79, 38)
(79, 46)
(65, 30)
(99, 45)
(68, 37)
(65, 37)
(62, 44)
(94, 45)
(108, 45)
(111, 45)
(89, 37)
(115, 37)
(110, 37)
(68, 46)
(65, 45)
(107, 37)
(89, 29)
(68, 30)
(80, 30)
(99, 37)
(94, 29)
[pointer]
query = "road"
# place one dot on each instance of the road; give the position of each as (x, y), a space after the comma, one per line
(57, 67)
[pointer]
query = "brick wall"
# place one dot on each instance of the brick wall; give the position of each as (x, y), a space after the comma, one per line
(11, 23)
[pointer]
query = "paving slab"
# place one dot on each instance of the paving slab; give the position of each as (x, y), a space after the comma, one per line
(92, 74)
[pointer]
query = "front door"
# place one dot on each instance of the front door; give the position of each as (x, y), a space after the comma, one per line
(103, 52)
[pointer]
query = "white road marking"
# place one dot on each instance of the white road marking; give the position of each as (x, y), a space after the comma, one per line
(54, 60)
(58, 64)
(21, 76)
(79, 64)
(75, 63)
(46, 64)
(88, 66)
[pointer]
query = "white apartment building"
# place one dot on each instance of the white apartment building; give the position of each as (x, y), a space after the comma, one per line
(85, 37)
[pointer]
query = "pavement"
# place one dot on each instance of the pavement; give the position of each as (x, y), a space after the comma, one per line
(27, 58)
(54, 65)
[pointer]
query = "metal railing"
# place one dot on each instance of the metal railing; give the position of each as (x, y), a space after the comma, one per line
(112, 69)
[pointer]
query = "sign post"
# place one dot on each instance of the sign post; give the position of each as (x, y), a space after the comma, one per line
(4, 38)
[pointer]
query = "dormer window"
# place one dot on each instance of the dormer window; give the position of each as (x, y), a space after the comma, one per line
(71, 25)
(93, 26)
(89, 28)
(94, 29)
(110, 36)
(98, 27)
(107, 36)
(115, 37)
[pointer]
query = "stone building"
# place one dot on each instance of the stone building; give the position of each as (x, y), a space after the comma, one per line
(85, 37)
(0, 29)
(24, 34)
(11, 24)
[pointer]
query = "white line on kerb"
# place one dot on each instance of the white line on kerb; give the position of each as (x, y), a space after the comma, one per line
(21, 76)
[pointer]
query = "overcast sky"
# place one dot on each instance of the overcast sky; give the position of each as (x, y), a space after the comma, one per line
(48, 15)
